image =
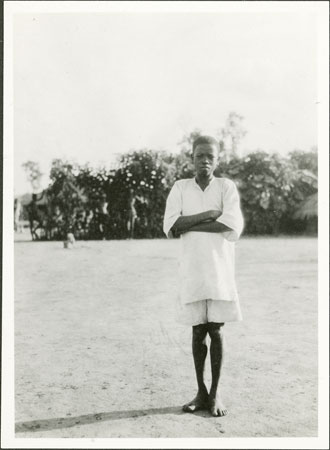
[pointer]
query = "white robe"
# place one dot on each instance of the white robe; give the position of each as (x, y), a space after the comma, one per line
(207, 259)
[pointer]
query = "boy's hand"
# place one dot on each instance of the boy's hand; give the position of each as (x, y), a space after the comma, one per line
(213, 214)
(177, 233)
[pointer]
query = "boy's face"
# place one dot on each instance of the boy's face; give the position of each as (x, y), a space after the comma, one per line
(205, 157)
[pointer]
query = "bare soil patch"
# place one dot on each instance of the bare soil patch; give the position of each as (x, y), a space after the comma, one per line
(98, 352)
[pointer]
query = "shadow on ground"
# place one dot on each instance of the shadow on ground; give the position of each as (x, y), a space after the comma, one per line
(68, 422)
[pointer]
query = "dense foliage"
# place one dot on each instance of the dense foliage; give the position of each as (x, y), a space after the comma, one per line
(129, 201)
(271, 188)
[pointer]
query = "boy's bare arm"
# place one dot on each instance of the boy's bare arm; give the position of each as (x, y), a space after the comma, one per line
(183, 223)
(210, 227)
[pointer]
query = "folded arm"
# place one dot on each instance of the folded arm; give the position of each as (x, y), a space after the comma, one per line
(185, 223)
(229, 221)
(210, 227)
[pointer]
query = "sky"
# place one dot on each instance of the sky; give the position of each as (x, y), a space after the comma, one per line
(90, 86)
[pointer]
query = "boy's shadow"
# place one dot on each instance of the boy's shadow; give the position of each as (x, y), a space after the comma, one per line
(68, 422)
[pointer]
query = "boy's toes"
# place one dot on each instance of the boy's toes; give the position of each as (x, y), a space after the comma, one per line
(218, 411)
(222, 412)
(189, 408)
(195, 405)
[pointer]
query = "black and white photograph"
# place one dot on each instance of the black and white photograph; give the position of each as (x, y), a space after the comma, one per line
(165, 225)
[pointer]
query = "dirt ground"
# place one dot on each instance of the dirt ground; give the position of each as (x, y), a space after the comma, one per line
(98, 352)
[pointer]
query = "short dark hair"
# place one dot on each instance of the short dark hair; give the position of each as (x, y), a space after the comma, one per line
(205, 140)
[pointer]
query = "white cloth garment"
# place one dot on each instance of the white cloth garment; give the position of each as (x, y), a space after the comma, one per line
(207, 259)
(205, 311)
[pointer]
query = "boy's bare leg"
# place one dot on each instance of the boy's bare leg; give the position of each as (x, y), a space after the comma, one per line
(215, 331)
(199, 349)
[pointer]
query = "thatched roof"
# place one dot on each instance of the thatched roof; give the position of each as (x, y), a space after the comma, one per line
(307, 209)
(25, 199)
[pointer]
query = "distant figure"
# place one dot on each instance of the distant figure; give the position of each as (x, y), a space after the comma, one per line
(205, 212)
(104, 205)
(35, 215)
(80, 224)
(70, 240)
(132, 214)
(103, 216)
(141, 225)
(86, 221)
(17, 215)
(136, 212)
(56, 221)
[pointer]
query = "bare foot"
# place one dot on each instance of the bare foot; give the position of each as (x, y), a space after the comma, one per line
(198, 403)
(217, 408)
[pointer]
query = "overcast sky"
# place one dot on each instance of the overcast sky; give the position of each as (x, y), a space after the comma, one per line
(88, 86)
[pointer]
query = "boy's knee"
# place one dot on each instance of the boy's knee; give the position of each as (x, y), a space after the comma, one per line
(200, 331)
(215, 330)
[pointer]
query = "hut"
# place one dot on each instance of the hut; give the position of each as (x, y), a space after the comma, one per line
(308, 212)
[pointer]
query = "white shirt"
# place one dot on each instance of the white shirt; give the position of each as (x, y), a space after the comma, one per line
(207, 259)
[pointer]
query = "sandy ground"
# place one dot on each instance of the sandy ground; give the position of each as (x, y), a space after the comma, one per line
(98, 352)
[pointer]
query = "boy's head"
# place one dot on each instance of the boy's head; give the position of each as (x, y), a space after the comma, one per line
(206, 151)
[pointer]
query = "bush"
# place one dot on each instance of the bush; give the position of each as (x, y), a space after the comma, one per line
(147, 177)
(271, 188)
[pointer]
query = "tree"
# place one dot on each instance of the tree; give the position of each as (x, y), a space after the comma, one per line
(33, 174)
(188, 140)
(86, 199)
(305, 160)
(271, 189)
(145, 176)
(65, 193)
(232, 134)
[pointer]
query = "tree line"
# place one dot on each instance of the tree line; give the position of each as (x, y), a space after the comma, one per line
(129, 201)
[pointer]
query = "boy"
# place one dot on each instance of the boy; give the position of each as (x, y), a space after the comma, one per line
(205, 212)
